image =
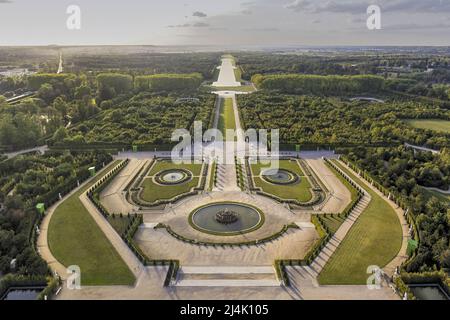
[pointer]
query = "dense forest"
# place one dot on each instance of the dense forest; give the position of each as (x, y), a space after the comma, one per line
(143, 119)
(335, 122)
(408, 172)
(320, 85)
(64, 100)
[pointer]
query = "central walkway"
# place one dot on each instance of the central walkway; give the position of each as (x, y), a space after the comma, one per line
(227, 77)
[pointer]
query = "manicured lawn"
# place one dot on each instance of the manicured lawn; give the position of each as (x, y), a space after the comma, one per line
(299, 191)
(195, 168)
(119, 224)
(430, 124)
(332, 221)
(374, 239)
(227, 119)
(153, 192)
(75, 238)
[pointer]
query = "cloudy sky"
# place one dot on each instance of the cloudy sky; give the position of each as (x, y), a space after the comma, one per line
(230, 22)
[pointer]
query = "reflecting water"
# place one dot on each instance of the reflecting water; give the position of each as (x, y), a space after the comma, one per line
(22, 294)
(280, 175)
(428, 292)
(205, 218)
(173, 176)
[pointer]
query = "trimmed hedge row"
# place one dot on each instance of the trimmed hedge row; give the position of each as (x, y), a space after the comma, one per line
(136, 191)
(223, 244)
(94, 192)
(348, 210)
(397, 198)
(281, 272)
(135, 221)
(174, 266)
(318, 194)
(321, 228)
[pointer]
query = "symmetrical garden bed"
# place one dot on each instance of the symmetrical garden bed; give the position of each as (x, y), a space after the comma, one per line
(151, 186)
(300, 189)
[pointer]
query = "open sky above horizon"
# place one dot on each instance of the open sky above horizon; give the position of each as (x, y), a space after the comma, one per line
(231, 22)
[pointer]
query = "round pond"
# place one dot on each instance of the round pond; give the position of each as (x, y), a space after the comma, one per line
(226, 218)
(173, 176)
(279, 176)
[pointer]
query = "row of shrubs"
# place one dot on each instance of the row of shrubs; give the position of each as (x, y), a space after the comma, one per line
(396, 197)
(134, 222)
(94, 191)
(281, 272)
(174, 266)
(348, 210)
(214, 175)
(142, 172)
(315, 184)
(239, 174)
(318, 196)
(137, 199)
(325, 234)
(224, 244)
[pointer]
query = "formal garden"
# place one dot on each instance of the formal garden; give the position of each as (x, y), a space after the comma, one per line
(161, 182)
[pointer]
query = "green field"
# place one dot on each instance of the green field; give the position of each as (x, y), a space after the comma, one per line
(152, 191)
(227, 119)
(75, 238)
(430, 124)
(300, 191)
(374, 239)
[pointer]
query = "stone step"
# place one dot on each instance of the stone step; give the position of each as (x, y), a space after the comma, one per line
(227, 283)
(227, 276)
(225, 269)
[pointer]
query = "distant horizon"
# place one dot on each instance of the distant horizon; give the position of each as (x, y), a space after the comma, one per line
(231, 47)
(261, 23)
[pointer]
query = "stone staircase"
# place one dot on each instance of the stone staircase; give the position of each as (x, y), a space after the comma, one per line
(226, 178)
(323, 257)
(226, 276)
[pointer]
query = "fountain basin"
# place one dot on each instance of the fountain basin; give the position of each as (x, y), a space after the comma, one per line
(226, 218)
(173, 176)
(279, 176)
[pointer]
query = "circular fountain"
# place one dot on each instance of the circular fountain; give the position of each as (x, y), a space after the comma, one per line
(226, 218)
(173, 176)
(279, 176)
